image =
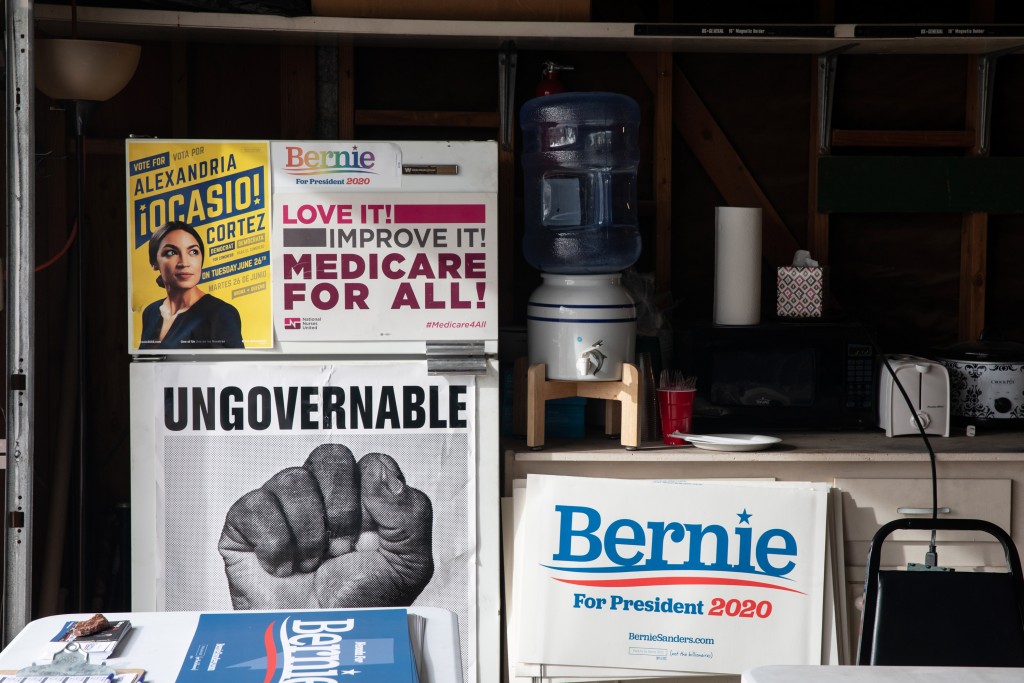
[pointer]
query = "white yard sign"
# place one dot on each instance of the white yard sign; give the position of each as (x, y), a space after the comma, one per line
(669, 576)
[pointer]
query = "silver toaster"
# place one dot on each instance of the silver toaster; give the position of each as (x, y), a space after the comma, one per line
(927, 385)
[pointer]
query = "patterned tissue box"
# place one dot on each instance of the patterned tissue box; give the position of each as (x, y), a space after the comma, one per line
(801, 292)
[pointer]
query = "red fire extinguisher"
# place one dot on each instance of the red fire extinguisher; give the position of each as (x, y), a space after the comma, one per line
(549, 84)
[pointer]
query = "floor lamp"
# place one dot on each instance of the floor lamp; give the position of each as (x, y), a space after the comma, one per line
(80, 74)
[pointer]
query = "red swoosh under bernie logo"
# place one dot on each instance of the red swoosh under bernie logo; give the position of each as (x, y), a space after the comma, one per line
(268, 642)
(674, 581)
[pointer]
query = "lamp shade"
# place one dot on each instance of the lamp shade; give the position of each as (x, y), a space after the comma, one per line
(72, 69)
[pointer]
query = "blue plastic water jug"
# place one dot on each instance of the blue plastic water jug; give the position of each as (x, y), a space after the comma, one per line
(580, 154)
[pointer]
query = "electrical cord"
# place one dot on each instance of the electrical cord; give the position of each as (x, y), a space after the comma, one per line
(63, 250)
(71, 237)
(931, 558)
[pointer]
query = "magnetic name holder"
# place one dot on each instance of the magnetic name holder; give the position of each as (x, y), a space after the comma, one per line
(71, 661)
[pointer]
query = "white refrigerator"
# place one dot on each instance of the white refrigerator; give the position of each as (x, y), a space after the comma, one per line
(314, 381)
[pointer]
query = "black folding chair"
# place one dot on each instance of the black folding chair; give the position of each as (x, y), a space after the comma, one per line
(942, 618)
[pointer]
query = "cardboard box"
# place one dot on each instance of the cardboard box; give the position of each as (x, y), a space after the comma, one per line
(458, 10)
(800, 292)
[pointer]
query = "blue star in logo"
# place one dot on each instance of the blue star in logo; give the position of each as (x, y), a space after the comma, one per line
(744, 516)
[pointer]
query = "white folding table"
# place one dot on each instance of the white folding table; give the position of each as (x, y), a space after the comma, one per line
(881, 674)
(159, 641)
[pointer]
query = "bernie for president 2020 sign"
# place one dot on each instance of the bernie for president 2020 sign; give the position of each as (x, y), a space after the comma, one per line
(670, 575)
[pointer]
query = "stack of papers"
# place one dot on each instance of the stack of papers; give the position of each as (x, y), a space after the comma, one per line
(371, 646)
(55, 678)
(99, 646)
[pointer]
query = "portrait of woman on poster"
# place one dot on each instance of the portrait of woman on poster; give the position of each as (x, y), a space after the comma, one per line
(187, 318)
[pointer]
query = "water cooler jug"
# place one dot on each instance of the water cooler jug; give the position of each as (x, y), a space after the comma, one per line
(580, 154)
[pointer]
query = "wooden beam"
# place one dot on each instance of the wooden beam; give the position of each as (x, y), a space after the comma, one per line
(106, 147)
(962, 139)
(719, 159)
(817, 220)
(179, 89)
(662, 174)
(974, 228)
(663, 181)
(983, 11)
(918, 184)
(507, 246)
(298, 92)
(973, 275)
(346, 90)
(454, 119)
(826, 11)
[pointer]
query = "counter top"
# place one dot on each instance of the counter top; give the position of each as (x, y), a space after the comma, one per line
(795, 446)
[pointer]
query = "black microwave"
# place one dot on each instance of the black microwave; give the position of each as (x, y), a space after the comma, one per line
(781, 375)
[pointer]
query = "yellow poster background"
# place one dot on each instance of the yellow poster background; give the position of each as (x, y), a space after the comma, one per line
(222, 190)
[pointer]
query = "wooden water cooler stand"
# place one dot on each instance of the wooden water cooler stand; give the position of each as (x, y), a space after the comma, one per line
(621, 401)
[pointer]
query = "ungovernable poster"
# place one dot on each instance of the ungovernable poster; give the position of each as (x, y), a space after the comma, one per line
(312, 485)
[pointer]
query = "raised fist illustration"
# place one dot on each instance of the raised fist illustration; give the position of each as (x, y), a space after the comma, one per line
(329, 534)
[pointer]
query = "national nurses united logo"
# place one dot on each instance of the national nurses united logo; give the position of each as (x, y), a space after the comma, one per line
(293, 323)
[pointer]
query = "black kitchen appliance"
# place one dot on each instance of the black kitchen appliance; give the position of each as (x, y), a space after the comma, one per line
(781, 375)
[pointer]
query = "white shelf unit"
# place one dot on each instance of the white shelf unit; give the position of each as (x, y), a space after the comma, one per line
(99, 22)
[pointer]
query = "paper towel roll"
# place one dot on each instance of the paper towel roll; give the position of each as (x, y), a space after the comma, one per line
(737, 265)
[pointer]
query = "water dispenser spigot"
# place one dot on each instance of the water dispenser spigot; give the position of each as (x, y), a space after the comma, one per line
(591, 360)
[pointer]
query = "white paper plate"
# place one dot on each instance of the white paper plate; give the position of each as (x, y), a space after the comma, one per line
(729, 442)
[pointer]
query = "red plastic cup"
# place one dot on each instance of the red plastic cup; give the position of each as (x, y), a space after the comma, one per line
(676, 408)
